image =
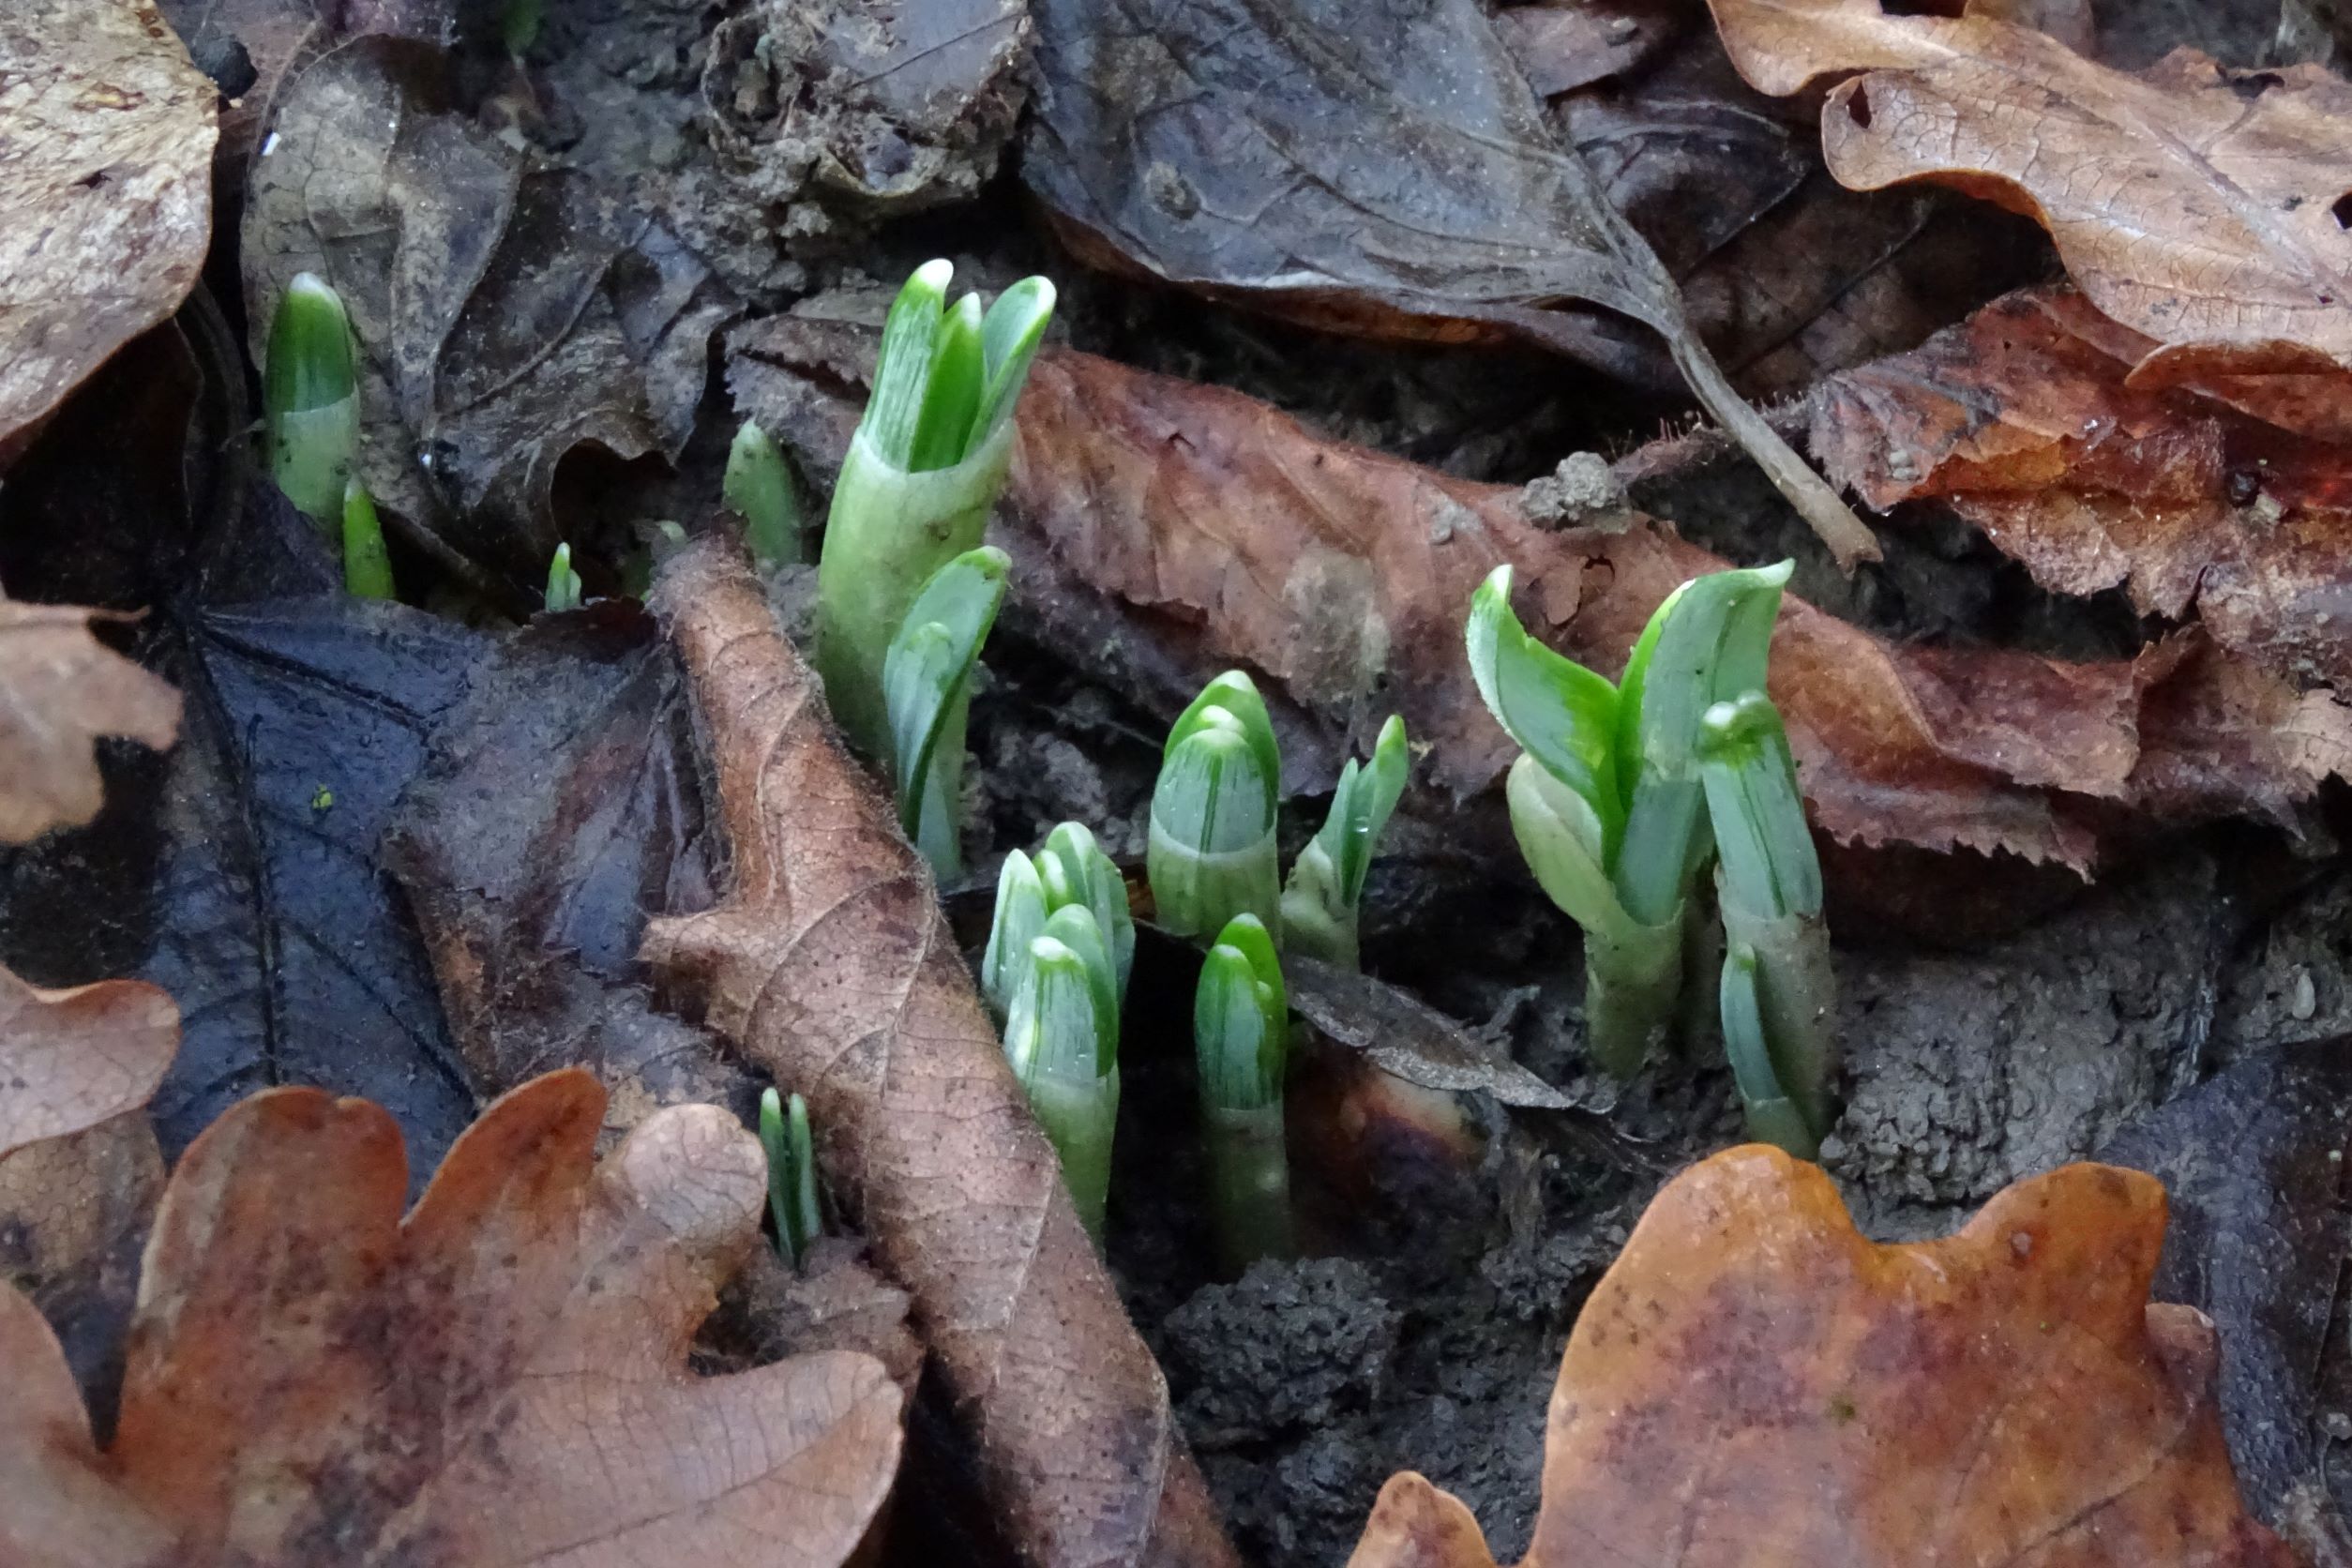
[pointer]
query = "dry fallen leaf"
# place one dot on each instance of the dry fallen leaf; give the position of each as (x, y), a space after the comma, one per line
(2233, 500)
(830, 964)
(1382, 169)
(1753, 1383)
(106, 136)
(498, 1378)
(2201, 206)
(60, 689)
(1217, 530)
(79, 1170)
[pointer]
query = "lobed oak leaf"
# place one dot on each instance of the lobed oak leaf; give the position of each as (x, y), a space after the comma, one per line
(106, 176)
(60, 689)
(498, 1378)
(79, 1170)
(1755, 1383)
(2198, 205)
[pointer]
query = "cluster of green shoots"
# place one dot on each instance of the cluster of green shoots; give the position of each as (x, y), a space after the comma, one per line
(1062, 943)
(1624, 796)
(906, 593)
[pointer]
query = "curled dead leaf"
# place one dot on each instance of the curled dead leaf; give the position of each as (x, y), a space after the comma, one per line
(2199, 206)
(2230, 498)
(498, 1378)
(61, 689)
(106, 176)
(1215, 530)
(1755, 1383)
(830, 965)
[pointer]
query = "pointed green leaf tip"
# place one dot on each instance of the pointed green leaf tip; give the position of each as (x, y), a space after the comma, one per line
(1213, 853)
(367, 565)
(562, 583)
(948, 377)
(1319, 903)
(1561, 713)
(1240, 1018)
(1769, 863)
(927, 667)
(758, 490)
(311, 398)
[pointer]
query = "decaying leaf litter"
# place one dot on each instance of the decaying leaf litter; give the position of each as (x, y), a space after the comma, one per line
(418, 854)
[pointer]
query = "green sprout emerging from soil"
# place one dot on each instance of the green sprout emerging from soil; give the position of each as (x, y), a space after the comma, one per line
(311, 398)
(1623, 796)
(926, 689)
(791, 1174)
(921, 475)
(1241, 1023)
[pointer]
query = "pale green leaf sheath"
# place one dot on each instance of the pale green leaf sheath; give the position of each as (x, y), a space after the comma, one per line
(920, 477)
(1240, 1036)
(311, 398)
(1768, 885)
(1063, 1041)
(757, 488)
(1211, 853)
(1320, 900)
(926, 686)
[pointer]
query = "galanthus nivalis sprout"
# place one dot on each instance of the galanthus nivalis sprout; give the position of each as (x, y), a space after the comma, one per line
(1070, 871)
(757, 488)
(562, 583)
(311, 398)
(1608, 801)
(1769, 885)
(1241, 1023)
(791, 1174)
(926, 686)
(920, 476)
(1319, 902)
(1213, 853)
(1063, 1041)
(367, 565)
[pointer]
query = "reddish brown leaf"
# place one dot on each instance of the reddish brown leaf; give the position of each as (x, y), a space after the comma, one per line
(1755, 1383)
(830, 964)
(79, 1170)
(2195, 204)
(2231, 499)
(498, 1378)
(60, 689)
(106, 175)
(1226, 533)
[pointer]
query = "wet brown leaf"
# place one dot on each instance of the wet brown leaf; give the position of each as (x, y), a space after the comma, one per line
(1384, 170)
(79, 1170)
(2197, 205)
(510, 311)
(498, 1378)
(60, 690)
(1755, 1383)
(2231, 501)
(106, 176)
(830, 964)
(1218, 531)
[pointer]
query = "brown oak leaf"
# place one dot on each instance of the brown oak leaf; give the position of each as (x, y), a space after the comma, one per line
(498, 1378)
(106, 176)
(2201, 206)
(1755, 1383)
(830, 964)
(79, 1170)
(2231, 497)
(60, 689)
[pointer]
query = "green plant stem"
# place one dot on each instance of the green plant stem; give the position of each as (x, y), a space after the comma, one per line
(1249, 1185)
(887, 531)
(1797, 997)
(1772, 1117)
(1080, 1115)
(1633, 985)
(1698, 1030)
